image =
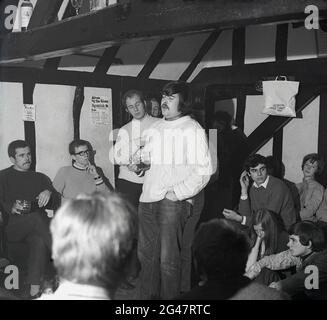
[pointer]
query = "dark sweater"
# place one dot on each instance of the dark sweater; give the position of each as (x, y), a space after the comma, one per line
(295, 285)
(276, 197)
(21, 185)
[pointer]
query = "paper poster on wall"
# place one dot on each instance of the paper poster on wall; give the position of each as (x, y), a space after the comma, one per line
(29, 112)
(100, 114)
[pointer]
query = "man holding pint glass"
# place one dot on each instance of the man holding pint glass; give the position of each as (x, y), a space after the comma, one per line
(24, 195)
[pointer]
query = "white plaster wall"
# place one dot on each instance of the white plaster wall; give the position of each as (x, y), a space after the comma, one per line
(253, 113)
(178, 57)
(300, 138)
(219, 55)
(11, 122)
(53, 126)
(97, 134)
(134, 56)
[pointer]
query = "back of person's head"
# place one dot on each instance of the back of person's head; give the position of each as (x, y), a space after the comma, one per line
(308, 231)
(16, 144)
(220, 249)
(183, 90)
(270, 225)
(312, 158)
(131, 93)
(225, 117)
(93, 240)
(78, 143)
(275, 167)
(254, 160)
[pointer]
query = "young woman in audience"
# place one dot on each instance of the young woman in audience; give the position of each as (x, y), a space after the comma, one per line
(268, 237)
(311, 192)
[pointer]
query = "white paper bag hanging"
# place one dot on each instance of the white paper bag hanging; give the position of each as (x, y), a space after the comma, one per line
(279, 97)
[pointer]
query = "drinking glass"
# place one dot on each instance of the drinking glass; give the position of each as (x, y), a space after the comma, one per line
(77, 4)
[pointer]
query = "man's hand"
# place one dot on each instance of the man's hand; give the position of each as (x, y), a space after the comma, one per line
(133, 167)
(244, 182)
(44, 198)
(232, 215)
(170, 195)
(92, 169)
(17, 208)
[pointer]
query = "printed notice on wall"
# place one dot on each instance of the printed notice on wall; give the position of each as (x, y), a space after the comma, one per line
(100, 114)
(29, 112)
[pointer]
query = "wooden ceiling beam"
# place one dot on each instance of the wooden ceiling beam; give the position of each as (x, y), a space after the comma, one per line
(116, 25)
(75, 78)
(307, 71)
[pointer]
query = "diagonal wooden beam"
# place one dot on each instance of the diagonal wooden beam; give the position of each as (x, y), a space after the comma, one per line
(147, 20)
(266, 130)
(206, 46)
(45, 12)
(106, 60)
(155, 58)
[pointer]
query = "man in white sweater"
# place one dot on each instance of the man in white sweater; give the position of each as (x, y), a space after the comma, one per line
(180, 167)
(130, 178)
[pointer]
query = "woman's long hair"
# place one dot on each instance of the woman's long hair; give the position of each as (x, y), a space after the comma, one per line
(270, 225)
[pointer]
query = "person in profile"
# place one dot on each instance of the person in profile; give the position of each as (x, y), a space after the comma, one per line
(221, 252)
(92, 244)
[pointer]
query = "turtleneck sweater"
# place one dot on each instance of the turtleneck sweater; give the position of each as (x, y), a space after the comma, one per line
(179, 159)
(73, 180)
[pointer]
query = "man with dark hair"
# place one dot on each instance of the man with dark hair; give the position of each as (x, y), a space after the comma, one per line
(82, 176)
(24, 195)
(180, 167)
(266, 192)
(92, 244)
(306, 251)
(221, 251)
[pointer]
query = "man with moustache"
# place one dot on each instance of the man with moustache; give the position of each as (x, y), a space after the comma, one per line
(176, 148)
(27, 225)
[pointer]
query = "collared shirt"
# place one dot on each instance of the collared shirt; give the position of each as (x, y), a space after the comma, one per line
(74, 291)
(263, 184)
(243, 222)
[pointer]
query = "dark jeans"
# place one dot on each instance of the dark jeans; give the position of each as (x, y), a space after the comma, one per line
(132, 192)
(160, 240)
(33, 230)
(187, 239)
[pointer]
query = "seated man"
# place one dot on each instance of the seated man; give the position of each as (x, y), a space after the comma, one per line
(307, 252)
(220, 251)
(27, 224)
(82, 176)
(92, 245)
(266, 192)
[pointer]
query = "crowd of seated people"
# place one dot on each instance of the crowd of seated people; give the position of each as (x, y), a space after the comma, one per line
(247, 254)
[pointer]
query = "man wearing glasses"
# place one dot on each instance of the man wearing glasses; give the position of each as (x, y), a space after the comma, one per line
(82, 176)
(266, 192)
